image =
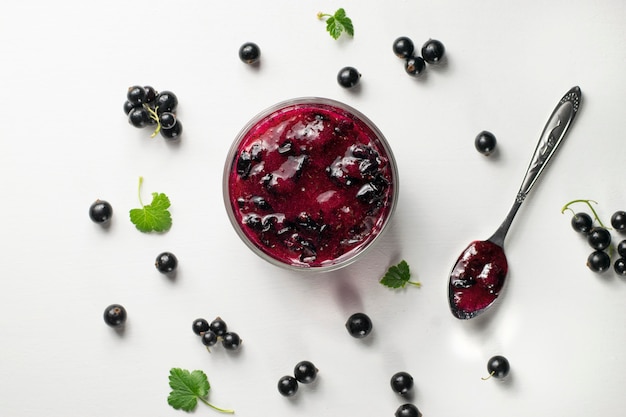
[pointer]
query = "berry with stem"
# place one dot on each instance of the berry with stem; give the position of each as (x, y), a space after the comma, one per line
(582, 222)
(305, 372)
(208, 339)
(348, 77)
(231, 341)
(218, 326)
(199, 326)
(498, 367)
(588, 203)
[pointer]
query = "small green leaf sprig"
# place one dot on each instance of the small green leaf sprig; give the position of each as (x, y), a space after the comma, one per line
(398, 276)
(337, 23)
(189, 387)
(154, 217)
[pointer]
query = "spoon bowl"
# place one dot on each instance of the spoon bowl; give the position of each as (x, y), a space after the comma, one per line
(479, 273)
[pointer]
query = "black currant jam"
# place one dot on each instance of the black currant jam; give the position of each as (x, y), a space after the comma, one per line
(311, 184)
(477, 278)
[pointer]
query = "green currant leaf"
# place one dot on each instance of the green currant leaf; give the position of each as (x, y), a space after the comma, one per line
(154, 217)
(398, 276)
(187, 387)
(337, 23)
(345, 21)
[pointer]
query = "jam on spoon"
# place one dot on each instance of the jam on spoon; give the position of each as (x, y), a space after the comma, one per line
(480, 272)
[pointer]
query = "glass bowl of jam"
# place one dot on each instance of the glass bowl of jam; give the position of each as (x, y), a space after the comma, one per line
(310, 184)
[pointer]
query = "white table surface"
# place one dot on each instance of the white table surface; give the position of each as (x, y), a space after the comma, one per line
(66, 66)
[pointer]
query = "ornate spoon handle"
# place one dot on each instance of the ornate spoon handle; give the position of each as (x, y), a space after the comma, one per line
(552, 136)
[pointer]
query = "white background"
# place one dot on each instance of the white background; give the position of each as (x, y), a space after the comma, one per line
(65, 69)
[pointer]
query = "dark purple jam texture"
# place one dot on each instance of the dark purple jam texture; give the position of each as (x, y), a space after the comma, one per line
(310, 183)
(477, 278)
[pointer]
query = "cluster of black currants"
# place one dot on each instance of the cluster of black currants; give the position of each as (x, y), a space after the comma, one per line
(414, 64)
(213, 332)
(599, 238)
(303, 373)
(402, 383)
(144, 107)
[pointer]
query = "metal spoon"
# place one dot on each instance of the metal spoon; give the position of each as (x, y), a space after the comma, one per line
(479, 273)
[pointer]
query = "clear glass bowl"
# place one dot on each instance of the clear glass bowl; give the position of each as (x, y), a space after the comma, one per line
(310, 184)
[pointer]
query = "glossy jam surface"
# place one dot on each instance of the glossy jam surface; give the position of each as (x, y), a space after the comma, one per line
(477, 278)
(310, 184)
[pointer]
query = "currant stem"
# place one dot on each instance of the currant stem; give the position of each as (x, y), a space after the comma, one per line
(154, 116)
(321, 15)
(417, 284)
(139, 190)
(588, 203)
(221, 410)
(488, 377)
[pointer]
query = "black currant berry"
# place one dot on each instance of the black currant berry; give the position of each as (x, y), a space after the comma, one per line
(432, 51)
(151, 94)
(414, 65)
(403, 47)
(167, 119)
(401, 382)
(115, 315)
(305, 372)
(359, 325)
(485, 142)
(208, 338)
(100, 211)
(139, 117)
(498, 366)
(599, 238)
(408, 410)
(218, 326)
(231, 341)
(599, 261)
(249, 53)
(621, 248)
(620, 266)
(136, 94)
(166, 262)
(166, 101)
(582, 222)
(348, 77)
(618, 221)
(199, 326)
(128, 106)
(174, 132)
(287, 386)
